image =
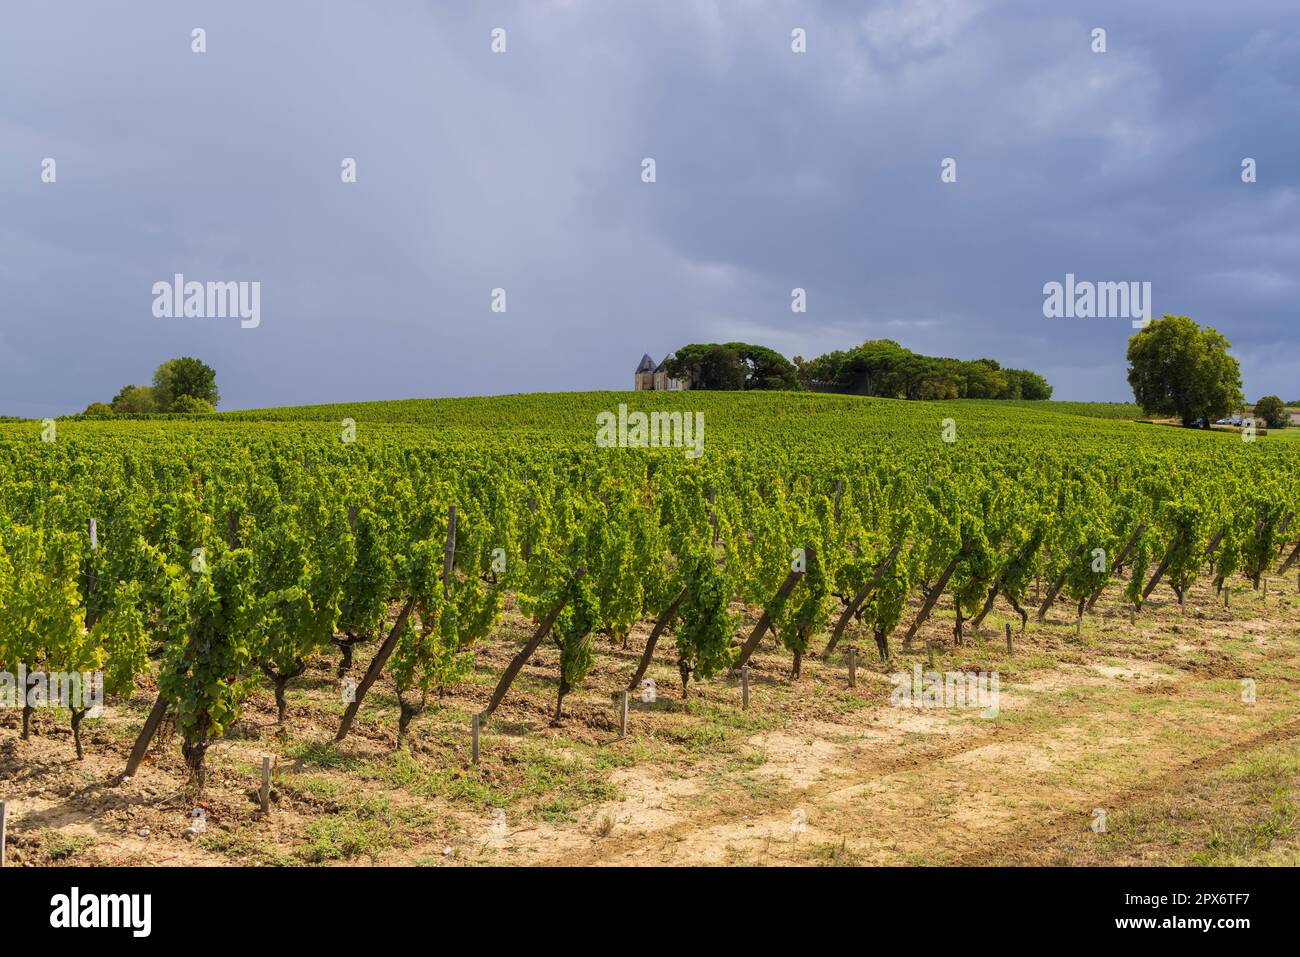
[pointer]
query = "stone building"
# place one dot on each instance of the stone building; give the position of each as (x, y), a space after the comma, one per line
(651, 377)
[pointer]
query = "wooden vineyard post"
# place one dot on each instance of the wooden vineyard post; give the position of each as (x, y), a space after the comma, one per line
(352, 519)
(932, 599)
(232, 530)
(839, 493)
(150, 728)
(622, 714)
(473, 735)
(375, 669)
(1057, 586)
(765, 620)
(1160, 569)
(664, 620)
(93, 531)
(519, 660)
(386, 649)
(853, 666)
(449, 550)
(532, 510)
(863, 594)
(1214, 542)
(265, 794)
(1008, 637)
(713, 514)
(1119, 562)
(744, 687)
(1295, 553)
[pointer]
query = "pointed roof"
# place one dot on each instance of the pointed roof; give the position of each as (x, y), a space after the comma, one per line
(663, 366)
(646, 364)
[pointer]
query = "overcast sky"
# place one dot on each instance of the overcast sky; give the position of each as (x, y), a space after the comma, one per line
(523, 171)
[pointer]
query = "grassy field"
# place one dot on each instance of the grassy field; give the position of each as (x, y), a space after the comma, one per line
(1171, 740)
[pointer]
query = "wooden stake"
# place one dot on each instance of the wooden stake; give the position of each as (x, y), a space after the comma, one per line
(765, 620)
(91, 580)
(376, 667)
(352, 519)
(266, 784)
(859, 598)
(1160, 569)
(473, 734)
(744, 687)
(1008, 637)
(665, 619)
(932, 598)
(449, 549)
(622, 715)
(853, 666)
(1057, 585)
(519, 660)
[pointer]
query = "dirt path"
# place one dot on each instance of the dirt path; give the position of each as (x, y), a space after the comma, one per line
(968, 791)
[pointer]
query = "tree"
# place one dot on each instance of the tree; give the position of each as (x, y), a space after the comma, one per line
(1178, 368)
(982, 379)
(1023, 384)
(185, 376)
(733, 366)
(1272, 411)
(765, 368)
(188, 403)
(709, 366)
(135, 398)
(98, 408)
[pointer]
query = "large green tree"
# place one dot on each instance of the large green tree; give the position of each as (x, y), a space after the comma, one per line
(185, 376)
(733, 366)
(1272, 411)
(135, 398)
(1179, 368)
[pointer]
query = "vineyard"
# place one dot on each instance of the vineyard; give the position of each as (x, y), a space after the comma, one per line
(437, 614)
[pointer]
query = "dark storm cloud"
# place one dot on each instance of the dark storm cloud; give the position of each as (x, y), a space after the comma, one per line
(522, 171)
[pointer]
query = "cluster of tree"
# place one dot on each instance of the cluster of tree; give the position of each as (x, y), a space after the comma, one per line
(879, 367)
(1273, 411)
(179, 385)
(1178, 368)
(882, 367)
(732, 366)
